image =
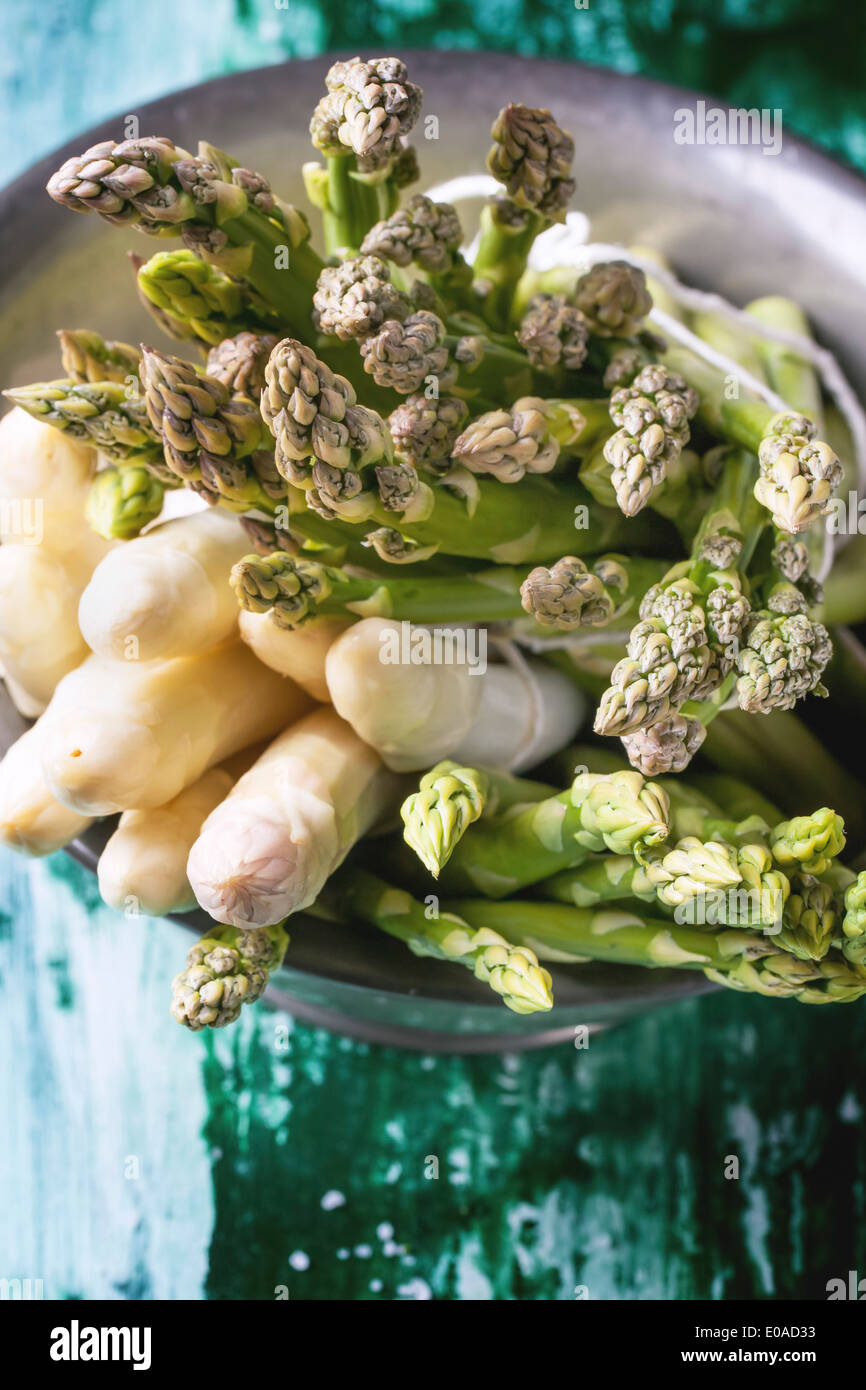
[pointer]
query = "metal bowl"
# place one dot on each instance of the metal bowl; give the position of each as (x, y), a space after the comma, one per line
(731, 218)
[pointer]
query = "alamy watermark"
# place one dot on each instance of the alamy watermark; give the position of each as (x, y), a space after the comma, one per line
(761, 908)
(735, 125)
(22, 517)
(434, 646)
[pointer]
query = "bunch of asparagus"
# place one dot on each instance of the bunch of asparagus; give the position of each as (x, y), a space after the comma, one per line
(562, 479)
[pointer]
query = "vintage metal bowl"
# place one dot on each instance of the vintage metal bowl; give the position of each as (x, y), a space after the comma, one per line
(731, 218)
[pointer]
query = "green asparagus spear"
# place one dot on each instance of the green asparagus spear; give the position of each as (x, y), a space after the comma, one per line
(87, 357)
(121, 501)
(619, 812)
(227, 215)
(450, 798)
(225, 970)
(512, 972)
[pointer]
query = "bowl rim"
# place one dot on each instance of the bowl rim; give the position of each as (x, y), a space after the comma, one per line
(16, 201)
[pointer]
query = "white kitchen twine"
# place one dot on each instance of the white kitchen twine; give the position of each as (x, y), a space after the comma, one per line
(566, 244)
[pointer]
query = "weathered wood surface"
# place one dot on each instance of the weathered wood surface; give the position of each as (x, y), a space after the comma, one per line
(139, 1162)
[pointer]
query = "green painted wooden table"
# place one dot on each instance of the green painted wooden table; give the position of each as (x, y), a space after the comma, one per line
(140, 1162)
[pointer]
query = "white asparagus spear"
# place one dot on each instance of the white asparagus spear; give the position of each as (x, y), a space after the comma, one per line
(39, 637)
(299, 652)
(128, 735)
(166, 593)
(23, 702)
(33, 821)
(143, 866)
(44, 481)
(416, 714)
(268, 850)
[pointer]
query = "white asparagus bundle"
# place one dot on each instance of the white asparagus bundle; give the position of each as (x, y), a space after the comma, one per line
(127, 735)
(268, 850)
(32, 820)
(39, 637)
(47, 556)
(143, 866)
(166, 593)
(44, 481)
(414, 714)
(298, 652)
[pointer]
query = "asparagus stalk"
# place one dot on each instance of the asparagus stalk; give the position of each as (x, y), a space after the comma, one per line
(106, 415)
(854, 922)
(737, 959)
(130, 735)
(299, 653)
(269, 848)
(225, 970)
(668, 745)
(239, 363)
(226, 215)
(406, 348)
(511, 972)
(579, 934)
(733, 340)
(687, 640)
(780, 752)
(738, 799)
(369, 107)
(39, 638)
(798, 472)
(39, 462)
(530, 437)
(424, 237)
(697, 628)
(143, 866)
(122, 501)
(783, 976)
(620, 812)
(167, 592)
(194, 300)
(214, 442)
(532, 157)
(652, 417)
(418, 696)
(660, 297)
(32, 820)
(450, 798)
(809, 843)
(425, 431)
(86, 356)
(844, 598)
(740, 888)
(297, 590)
(810, 919)
(339, 454)
(790, 376)
(554, 333)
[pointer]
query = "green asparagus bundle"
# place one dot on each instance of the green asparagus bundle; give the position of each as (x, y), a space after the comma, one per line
(340, 454)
